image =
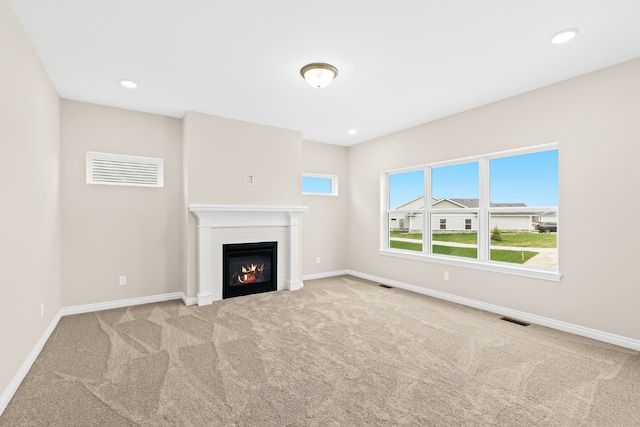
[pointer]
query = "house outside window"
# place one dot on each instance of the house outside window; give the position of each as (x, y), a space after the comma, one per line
(483, 209)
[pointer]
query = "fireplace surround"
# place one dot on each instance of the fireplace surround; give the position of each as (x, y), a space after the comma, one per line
(219, 225)
(249, 268)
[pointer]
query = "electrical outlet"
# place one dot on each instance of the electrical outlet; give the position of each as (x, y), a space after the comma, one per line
(41, 310)
(446, 275)
(122, 280)
(248, 179)
(317, 260)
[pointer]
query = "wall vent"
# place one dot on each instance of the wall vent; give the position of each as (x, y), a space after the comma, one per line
(516, 321)
(119, 169)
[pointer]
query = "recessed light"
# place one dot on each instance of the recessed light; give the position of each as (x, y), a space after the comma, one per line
(128, 84)
(564, 36)
(352, 131)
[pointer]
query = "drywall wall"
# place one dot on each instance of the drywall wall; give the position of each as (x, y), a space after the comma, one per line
(30, 190)
(111, 231)
(325, 226)
(218, 154)
(595, 120)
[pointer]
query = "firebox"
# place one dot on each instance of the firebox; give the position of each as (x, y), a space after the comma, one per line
(249, 268)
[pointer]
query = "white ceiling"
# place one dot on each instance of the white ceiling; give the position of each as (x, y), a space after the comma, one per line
(401, 63)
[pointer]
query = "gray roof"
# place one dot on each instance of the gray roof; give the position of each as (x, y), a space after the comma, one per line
(474, 203)
(467, 203)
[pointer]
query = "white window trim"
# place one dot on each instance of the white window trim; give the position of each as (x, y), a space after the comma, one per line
(332, 178)
(484, 211)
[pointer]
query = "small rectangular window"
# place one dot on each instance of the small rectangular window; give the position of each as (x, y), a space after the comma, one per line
(467, 224)
(119, 169)
(320, 184)
(443, 223)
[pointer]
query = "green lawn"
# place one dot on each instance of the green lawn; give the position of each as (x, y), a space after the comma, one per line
(528, 240)
(404, 235)
(409, 246)
(525, 240)
(516, 257)
(452, 250)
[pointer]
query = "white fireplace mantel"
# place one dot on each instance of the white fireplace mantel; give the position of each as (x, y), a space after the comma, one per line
(211, 217)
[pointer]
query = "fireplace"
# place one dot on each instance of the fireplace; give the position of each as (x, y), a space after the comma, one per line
(219, 225)
(249, 268)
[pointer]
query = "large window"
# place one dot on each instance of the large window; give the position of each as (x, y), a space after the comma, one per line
(497, 211)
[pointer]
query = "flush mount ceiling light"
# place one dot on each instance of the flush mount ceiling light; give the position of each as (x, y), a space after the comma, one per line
(128, 84)
(319, 74)
(564, 36)
(352, 131)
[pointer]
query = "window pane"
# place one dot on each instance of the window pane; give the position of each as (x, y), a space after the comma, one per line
(455, 239)
(312, 184)
(406, 190)
(405, 231)
(527, 179)
(455, 187)
(519, 239)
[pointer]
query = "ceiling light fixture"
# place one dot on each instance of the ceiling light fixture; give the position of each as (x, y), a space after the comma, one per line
(564, 36)
(352, 131)
(319, 74)
(128, 84)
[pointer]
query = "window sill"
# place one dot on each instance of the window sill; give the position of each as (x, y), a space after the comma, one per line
(535, 273)
(319, 194)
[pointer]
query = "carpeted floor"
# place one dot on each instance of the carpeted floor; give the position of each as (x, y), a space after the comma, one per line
(340, 352)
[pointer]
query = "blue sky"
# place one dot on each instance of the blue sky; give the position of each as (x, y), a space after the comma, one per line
(529, 178)
(316, 185)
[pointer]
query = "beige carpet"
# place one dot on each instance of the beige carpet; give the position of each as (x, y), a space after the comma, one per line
(340, 352)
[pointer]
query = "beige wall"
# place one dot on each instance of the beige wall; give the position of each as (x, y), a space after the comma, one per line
(30, 194)
(595, 120)
(109, 231)
(218, 152)
(325, 226)
(65, 243)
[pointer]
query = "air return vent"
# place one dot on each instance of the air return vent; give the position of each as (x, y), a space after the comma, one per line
(118, 169)
(516, 321)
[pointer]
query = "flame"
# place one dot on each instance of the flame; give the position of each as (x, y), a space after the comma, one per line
(253, 268)
(250, 273)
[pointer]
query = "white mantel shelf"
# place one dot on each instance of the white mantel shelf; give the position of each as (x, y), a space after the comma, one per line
(245, 208)
(211, 217)
(246, 215)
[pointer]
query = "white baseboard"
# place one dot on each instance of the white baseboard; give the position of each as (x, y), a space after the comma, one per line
(325, 274)
(531, 318)
(11, 389)
(88, 308)
(189, 300)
